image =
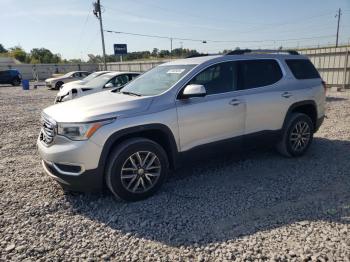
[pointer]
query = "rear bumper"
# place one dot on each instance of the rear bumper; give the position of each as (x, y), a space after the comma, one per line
(319, 123)
(86, 181)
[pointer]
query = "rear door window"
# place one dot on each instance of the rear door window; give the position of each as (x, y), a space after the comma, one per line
(258, 73)
(302, 69)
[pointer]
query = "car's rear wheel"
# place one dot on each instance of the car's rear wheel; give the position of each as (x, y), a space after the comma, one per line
(16, 82)
(136, 169)
(58, 85)
(297, 136)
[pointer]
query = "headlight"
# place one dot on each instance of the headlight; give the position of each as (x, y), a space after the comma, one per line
(81, 131)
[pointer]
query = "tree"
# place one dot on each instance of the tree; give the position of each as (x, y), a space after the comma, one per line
(18, 53)
(164, 53)
(44, 56)
(155, 52)
(2, 49)
(94, 59)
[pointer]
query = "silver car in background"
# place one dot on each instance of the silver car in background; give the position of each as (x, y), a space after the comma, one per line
(84, 80)
(97, 84)
(57, 82)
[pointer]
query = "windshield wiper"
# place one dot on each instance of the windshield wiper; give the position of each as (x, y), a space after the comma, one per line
(129, 93)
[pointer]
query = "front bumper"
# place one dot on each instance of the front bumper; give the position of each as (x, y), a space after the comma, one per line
(87, 181)
(73, 164)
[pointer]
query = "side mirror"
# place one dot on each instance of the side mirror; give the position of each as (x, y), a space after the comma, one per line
(109, 85)
(194, 91)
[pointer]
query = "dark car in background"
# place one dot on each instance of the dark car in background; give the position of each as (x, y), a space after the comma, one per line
(11, 76)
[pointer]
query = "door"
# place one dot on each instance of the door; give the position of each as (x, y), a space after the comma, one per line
(5, 77)
(217, 116)
(267, 97)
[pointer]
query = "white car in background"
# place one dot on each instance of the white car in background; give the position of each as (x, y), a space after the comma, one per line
(97, 84)
(57, 82)
(85, 80)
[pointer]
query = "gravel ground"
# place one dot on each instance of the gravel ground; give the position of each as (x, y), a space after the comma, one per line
(256, 206)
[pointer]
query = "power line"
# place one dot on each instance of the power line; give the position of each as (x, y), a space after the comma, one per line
(191, 14)
(82, 30)
(274, 26)
(169, 22)
(216, 41)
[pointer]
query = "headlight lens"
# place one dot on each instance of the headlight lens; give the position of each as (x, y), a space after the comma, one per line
(81, 131)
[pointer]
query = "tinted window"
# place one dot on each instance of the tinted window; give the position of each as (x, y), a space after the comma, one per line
(302, 69)
(120, 80)
(132, 76)
(219, 78)
(257, 73)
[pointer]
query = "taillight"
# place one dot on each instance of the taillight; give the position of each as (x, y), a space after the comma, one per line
(324, 86)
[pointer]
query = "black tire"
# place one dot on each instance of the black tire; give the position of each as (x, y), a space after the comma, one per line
(288, 146)
(58, 85)
(16, 82)
(118, 159)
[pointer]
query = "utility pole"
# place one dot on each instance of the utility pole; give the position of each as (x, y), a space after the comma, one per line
(171, 48)
(98, 13)
(181, 45)
(338, 15)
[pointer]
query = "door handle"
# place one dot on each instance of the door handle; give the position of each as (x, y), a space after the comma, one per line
(235, 102)
(286, 95)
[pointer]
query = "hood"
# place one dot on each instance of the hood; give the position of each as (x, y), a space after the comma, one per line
(69, 86)
(98, 106)
(55, 78)
(50, 79)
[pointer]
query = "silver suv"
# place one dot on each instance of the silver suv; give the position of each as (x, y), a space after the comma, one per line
(128, 139)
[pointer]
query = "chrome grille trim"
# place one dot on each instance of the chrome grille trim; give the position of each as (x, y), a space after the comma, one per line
(48, 129)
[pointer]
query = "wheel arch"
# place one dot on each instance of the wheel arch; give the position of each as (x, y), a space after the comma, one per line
(307, 107)
(156, 132)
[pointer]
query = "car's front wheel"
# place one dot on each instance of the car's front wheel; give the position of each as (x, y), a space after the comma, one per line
(58, 85)
(16, 82)
(297, 136)
(136, 169)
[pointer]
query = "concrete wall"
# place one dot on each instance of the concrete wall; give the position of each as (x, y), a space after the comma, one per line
(139, 66)
(44, 71)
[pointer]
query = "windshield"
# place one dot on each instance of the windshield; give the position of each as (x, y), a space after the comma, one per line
(68, 74)
(93, 75)
(100, 80)
(157, 80)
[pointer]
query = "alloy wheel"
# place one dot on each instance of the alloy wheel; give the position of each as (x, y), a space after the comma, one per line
(300, 136)
(140, 172)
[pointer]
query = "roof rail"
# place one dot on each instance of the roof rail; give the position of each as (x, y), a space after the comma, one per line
(261, 51)
(196, 55)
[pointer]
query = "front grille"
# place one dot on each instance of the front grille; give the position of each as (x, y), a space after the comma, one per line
(48, 128)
